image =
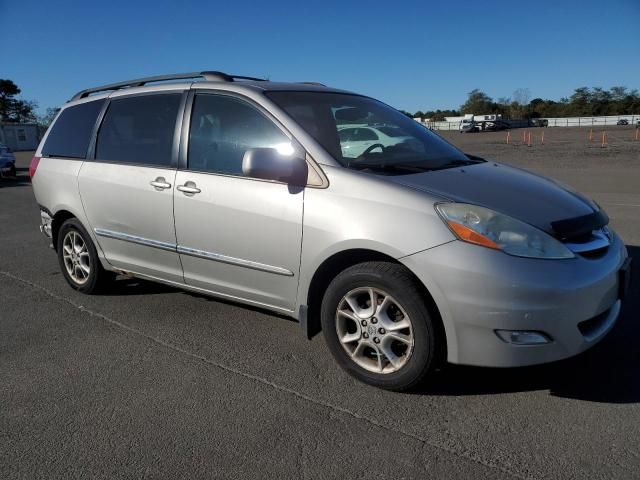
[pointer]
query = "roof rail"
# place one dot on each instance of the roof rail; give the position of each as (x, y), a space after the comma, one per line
(209, 76)
(318, 84)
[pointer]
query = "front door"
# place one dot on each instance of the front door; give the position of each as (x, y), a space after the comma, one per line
(127, 191)
(237, 236)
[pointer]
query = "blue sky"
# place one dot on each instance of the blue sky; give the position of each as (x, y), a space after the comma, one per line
(412, 55)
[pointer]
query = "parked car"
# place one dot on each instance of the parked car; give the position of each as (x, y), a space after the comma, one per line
(539, 122)
(623, 121)
(405, 256)
(7, 162)
(469, 126)
(354, 140)
(496, 126)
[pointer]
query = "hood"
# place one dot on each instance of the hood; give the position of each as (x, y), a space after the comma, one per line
(531, 198)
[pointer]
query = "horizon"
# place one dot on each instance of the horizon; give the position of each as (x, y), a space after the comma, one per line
(551, 50)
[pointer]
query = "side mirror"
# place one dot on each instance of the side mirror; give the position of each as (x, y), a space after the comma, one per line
(269, 164)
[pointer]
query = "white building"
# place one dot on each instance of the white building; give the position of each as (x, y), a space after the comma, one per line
(20, 136)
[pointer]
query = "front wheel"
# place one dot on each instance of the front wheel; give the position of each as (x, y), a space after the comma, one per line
(79, 260)
(378, 327)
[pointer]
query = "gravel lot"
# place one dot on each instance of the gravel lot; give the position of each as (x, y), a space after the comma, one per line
(153, 382)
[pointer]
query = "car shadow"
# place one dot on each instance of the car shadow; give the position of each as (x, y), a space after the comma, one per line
(264, 311)
(607, 373)
(20, 180)
(124, 286)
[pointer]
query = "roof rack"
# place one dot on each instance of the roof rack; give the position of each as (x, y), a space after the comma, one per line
(209, 76)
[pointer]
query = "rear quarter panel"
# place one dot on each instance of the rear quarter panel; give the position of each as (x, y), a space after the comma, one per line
(55, 186)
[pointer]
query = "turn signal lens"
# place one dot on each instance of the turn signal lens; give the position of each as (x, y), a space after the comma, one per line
(468, 235)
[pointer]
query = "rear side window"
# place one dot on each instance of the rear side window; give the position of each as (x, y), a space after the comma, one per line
(71, 133)
(139, 130)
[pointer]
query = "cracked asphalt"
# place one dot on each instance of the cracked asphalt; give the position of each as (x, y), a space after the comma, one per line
(153, 382)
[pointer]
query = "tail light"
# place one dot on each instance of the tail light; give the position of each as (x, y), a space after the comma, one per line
(33, 166)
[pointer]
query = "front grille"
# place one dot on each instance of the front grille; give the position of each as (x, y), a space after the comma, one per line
(590, 245)
(595, 254)
(572, 228)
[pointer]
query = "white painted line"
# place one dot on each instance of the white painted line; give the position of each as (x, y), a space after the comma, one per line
(622, 204)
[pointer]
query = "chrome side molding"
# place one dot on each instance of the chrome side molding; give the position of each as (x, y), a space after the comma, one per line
(193, 252)
(217, 257)
(125, 237)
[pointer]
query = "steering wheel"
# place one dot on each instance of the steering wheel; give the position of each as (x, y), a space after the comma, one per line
(370, 148)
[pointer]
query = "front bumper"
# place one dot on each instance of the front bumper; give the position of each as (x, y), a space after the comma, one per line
(575, 302)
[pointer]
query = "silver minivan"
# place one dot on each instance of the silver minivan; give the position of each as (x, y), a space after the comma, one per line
(405, 253)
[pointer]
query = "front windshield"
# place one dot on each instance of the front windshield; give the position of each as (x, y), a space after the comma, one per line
(362, 133)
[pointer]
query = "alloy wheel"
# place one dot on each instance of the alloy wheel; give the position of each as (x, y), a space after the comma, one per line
(76, 257)
(374, 330)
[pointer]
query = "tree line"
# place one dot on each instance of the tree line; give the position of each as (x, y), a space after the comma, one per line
(585, 102)
(18, 110)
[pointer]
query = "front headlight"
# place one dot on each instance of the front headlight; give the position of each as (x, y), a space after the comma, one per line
(481, 226)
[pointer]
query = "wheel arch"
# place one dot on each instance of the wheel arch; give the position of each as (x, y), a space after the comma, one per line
(338, 262)
(58, 218)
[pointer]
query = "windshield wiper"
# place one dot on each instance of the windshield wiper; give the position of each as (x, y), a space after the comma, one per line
(460, 163)
(475, 158)
(413, 167)
(390, 167)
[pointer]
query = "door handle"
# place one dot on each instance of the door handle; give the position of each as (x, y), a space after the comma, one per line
(160, 183)
(189, 188)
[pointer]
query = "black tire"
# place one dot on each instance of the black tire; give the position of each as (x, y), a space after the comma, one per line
(399, 283)
(98, 279)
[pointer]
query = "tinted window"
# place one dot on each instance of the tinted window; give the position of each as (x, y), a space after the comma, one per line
(139, 130)
(223, 128)
(71, 133)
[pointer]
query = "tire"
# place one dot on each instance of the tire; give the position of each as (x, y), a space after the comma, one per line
(379, 280)
(88, 275)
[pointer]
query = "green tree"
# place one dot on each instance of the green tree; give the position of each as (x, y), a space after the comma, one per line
(13, 109)
(477, 102)
(585, 101)
(8, 90)
(46, 119)
(580, 103)
(618, 93)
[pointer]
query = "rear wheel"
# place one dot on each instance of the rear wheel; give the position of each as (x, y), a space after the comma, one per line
(79, 260)
(378, 327)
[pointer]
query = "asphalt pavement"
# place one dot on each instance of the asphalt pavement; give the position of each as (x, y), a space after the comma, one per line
(153, 382)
